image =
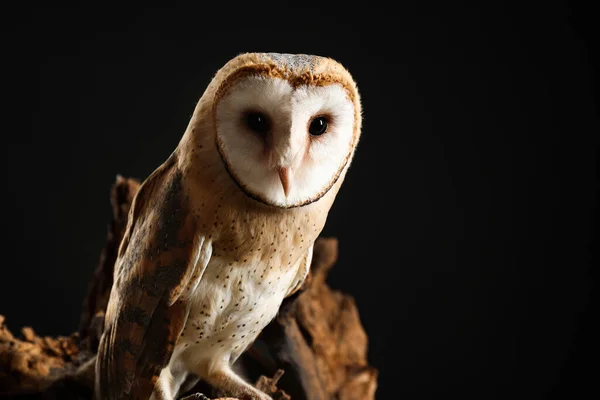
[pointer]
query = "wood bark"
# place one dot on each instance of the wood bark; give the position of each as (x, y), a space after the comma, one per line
(315, 349)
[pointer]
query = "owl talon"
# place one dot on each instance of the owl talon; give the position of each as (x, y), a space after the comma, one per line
(195, 396)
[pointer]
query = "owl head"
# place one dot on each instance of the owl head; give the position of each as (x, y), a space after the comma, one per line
(285, 125)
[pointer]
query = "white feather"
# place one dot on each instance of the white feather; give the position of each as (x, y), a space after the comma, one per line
(225, 316)
(314, 161)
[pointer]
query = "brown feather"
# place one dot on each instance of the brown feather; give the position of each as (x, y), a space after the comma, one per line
(155, 262)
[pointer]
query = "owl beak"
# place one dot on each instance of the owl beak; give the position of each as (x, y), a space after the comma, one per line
(284, 176)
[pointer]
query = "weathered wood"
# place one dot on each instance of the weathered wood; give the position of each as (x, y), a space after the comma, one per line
(94, 304)
(315, 349)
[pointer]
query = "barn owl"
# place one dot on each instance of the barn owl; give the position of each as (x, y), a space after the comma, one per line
(223, 230)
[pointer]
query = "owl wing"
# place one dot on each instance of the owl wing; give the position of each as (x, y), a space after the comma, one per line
(161, 260)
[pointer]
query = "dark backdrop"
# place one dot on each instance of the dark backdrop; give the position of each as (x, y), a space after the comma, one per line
(467, 220)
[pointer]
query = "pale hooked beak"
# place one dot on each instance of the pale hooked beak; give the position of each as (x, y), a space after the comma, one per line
(285, 175)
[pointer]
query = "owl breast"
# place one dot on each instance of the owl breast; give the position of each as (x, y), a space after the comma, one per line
(230, 306)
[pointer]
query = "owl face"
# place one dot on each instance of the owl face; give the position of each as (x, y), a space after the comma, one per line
(285, 144)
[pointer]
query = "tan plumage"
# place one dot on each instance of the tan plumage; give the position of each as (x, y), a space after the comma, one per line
(218, 235)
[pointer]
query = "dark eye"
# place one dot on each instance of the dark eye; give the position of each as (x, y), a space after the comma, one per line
(257, 122)
(317, 126)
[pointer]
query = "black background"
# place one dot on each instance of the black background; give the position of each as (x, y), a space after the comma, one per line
(466, 222)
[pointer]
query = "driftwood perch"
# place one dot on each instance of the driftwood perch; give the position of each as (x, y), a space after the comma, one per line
(315, 349)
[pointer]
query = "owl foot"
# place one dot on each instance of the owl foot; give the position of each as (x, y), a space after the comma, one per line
(223, 379)
(195, 396)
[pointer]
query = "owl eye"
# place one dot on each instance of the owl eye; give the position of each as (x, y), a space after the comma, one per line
(318, 126)
(258, 122)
